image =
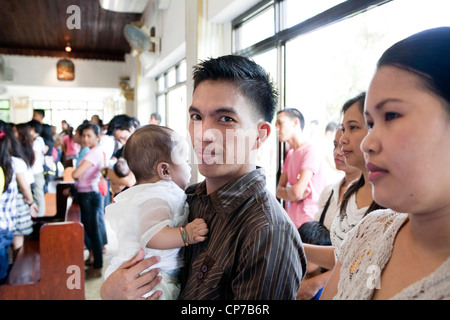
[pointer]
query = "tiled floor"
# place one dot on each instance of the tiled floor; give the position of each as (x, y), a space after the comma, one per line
(92, 286)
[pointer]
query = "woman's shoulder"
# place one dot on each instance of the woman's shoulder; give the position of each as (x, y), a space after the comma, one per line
(384, 216)
(378, 226)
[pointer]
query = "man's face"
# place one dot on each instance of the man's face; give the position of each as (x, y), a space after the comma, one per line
(220, 116)
(123, 135)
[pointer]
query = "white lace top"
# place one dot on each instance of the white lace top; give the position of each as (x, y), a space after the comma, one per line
(366, 251)
(344, 222)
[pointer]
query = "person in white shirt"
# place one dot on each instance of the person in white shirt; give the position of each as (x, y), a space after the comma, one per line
(39, 149)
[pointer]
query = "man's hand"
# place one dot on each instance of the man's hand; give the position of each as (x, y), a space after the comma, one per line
(126, 283)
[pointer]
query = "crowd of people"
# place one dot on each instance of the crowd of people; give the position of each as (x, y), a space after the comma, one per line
(227, 237)
(34, 154)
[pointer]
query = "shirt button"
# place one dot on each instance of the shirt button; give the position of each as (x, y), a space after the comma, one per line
(204, 268)
(200, 275)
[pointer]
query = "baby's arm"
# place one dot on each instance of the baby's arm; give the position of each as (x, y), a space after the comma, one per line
(171, 237)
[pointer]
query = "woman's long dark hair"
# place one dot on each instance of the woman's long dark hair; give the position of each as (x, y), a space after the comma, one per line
(5, 153)
(23, 129)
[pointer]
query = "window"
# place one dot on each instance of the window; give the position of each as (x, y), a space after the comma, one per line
(4, 110)
(256, 28)
(322, 53)
(171, 98)
(74, 112)
(299, 11)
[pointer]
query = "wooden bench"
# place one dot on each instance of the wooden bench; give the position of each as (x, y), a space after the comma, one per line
(50, 266)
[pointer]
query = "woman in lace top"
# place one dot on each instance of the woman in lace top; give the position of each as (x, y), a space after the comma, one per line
(404, 252)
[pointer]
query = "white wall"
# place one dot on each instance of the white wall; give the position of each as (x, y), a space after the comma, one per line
(41, 71)
(34, 78)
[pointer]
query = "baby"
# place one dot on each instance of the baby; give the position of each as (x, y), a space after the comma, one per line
(152, 214)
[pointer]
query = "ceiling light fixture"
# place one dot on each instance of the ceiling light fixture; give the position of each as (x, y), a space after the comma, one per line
(68, 48)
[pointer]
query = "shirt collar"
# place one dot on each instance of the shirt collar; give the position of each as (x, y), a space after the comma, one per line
(230, 196)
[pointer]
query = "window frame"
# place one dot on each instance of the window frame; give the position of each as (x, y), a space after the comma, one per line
(332, 15)
(179, 81)
(282, 35)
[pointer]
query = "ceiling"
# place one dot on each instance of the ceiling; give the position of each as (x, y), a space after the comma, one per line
(40, 28)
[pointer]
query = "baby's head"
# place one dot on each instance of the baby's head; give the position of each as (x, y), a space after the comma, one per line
(156, 153)
(121, 168)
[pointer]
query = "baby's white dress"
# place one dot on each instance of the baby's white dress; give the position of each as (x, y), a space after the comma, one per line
(138, 214)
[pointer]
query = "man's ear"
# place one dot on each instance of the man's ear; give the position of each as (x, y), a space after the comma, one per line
(264, 130)
(163, 170)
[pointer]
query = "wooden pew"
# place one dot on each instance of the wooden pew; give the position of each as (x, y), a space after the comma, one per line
(50, 266)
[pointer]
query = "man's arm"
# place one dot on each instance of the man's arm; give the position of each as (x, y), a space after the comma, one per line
(298, 191)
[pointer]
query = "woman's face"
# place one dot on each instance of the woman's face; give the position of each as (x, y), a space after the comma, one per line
(90, 139)
(339, 159)
(354, 130)
(407, 146)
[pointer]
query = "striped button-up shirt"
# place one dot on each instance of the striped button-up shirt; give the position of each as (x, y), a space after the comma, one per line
(253, 250)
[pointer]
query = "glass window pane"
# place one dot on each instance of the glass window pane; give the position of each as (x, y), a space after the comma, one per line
(171, 78)
(41, 104)
(160, 83)
(329, 66)
(298, 11)
(78, 105)
(182, 71)
(161, 108)
(99, 105)
(4, 104)
(177, 111)
(60, 105)
(256, 29)
(4, 110)
(267, 155)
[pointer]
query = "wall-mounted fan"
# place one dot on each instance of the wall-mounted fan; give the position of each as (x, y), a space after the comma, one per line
(141, 38)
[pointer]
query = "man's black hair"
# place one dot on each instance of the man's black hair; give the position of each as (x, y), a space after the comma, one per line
(250, 78)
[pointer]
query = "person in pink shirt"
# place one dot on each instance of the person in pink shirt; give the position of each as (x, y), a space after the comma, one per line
(70, 148)
(88, 176)
(302, 179)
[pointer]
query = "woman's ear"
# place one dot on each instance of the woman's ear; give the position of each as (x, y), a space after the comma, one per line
(163, 170)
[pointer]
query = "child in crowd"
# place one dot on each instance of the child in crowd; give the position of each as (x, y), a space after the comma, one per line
(121, 168)
(152, 213)
(314, 232)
